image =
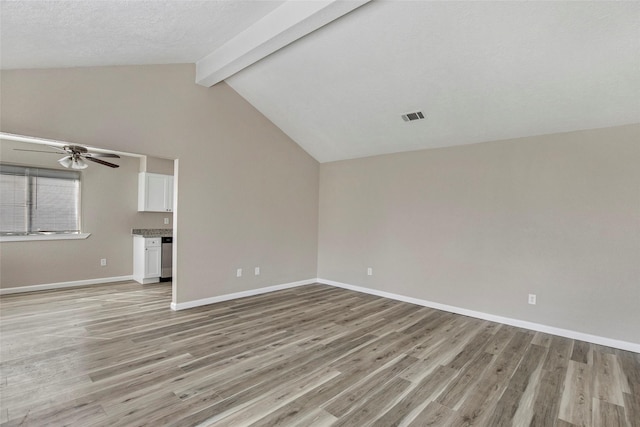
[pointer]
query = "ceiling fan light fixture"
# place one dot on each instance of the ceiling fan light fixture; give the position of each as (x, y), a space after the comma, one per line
(78, 163)
(65, 161)
(73, 162)
(77, 155)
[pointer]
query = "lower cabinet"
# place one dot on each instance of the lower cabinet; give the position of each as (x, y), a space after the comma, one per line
(146, 259)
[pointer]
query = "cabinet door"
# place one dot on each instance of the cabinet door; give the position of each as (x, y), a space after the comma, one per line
(156, 193)
(152, 262)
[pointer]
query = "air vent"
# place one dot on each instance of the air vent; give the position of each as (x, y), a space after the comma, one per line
(413, 116)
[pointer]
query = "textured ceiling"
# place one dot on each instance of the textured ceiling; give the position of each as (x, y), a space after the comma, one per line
(47, 34)
(479, 71)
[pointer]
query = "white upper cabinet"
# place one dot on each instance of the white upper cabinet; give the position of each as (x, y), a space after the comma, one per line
(155, 192)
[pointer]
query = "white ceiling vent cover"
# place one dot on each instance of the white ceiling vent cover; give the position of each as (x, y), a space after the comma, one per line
(413, 116)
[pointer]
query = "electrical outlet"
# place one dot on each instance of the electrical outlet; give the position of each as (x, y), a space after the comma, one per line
(256, 271)
(532, 299)
(369, 271)
(103, 262)
(239, 272)
(166, 221)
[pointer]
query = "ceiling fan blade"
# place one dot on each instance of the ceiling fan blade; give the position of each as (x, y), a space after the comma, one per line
(102, 162)
(36, 151)
(62, 150)
(115, 156)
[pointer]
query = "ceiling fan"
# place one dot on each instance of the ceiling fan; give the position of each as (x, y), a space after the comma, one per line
(76, 156)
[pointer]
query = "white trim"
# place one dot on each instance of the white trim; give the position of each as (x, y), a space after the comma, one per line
(609, 342)
(146, 281)
(235, 295)
(623, 345)
(32, 237)
(32, 139)
(284, 25)
(60, 285)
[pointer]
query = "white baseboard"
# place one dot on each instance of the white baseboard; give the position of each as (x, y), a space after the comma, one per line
(235, 295)
(144, 281)
(623, 345)
(60, 285)
(609, 342)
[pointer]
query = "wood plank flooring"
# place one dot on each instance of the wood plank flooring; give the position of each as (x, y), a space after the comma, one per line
(116, 355)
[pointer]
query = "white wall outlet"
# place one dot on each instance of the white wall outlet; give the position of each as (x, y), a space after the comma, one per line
(103, 262)
(532, 299)
(369, 271)
(239, 272)
(256, 271)
(166, 221)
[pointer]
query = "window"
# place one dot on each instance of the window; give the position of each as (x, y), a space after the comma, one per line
(35, 201)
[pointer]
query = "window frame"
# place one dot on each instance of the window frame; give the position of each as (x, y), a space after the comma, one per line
(46, 235)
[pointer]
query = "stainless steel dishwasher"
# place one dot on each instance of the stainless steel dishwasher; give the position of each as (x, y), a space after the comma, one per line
(166, 259)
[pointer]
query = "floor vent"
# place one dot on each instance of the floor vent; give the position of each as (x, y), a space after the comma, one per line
(413, 116)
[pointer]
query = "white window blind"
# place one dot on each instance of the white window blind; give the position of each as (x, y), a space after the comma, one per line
(39, 200)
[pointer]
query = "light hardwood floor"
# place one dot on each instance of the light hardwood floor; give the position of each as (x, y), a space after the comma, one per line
(116, 355)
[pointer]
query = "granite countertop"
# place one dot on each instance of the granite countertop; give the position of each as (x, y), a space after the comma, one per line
(152, 232)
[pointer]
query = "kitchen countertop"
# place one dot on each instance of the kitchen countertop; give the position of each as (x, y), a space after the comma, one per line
(152, 232)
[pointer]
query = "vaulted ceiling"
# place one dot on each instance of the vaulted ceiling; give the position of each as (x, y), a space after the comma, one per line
(49, 34)
(337, 76)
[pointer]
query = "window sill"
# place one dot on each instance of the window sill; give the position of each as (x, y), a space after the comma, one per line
(31, 237)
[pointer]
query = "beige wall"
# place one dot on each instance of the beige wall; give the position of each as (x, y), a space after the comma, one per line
(156, 165)
(478, 227)
(247, 194)
(482, 226)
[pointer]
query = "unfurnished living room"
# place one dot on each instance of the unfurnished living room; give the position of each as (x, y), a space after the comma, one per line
(319, 213)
